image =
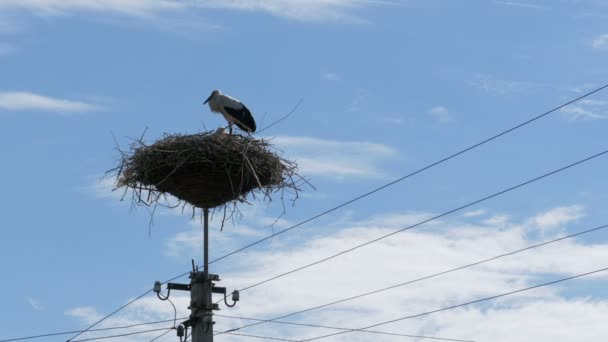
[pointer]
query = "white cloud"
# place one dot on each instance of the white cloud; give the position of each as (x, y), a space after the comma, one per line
(600, 42)
(393, 120)
(34, 304)
(474, 213)
(26, 101)
(521, 4)
(501, 87)
(303, 10)
(60, 7)
(87, 314)
(556, 218)
(441, 114)
(404, 257)
(336, 159)
(330, 76)
(586, 110)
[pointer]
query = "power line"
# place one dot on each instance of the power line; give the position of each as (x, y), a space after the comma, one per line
(260, 337)
(362, 196)
(426, 277)
(414, 173)
(122, 335)
(459, 305)
(426, 221)
(90, 330)
(160, 336)
(335, 328)
(121, 308)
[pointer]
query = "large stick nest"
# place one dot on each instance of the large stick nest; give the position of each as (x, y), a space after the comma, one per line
(205, 170)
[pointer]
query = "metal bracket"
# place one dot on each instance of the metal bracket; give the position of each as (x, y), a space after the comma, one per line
(218, 289)
(179, 287)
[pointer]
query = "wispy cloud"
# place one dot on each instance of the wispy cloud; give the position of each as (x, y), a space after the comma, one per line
(474, 213)
(394, 120)
(302, 10)
(441, 114)
(87, 314)
(521, 5)
(330, 76)
(500, 87)
(63, 7)
(337, 159)
(26, 101)
(600, 42)
(586, 110)
(34, 304)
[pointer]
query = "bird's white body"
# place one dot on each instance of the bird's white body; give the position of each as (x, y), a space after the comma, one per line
(233, 110)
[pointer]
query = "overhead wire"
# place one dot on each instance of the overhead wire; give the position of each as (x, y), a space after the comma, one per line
(90, 330)
(121, 335)
(459, 305)
(121, 308)
(261, 337)
(434, 275)
(433, 218)
(334, 328)
(360, 196)
(483, 142)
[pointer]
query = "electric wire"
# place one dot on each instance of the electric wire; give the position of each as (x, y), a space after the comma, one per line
(121, 335)
(434, 275)
(483, 142)
(363, 195)
(459, 305)
(121, 308)
(90, 330)
(260, 337)
(496, 194)
(110, 315)
(161, 335)
(335, 328)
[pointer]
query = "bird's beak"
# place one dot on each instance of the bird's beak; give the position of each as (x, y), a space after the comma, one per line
(207, 100)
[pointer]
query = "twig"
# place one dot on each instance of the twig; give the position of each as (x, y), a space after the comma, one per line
(281, 119)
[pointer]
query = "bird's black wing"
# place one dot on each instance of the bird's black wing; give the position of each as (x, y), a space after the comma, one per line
(244, 118)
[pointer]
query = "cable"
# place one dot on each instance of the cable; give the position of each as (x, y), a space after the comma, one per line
(121, 308)
(426, 277)
(426, 221)
(413, 173)
(365, 194)
(161, 335)
(121, 335)
(461, 305)
(336, 328)
(111, 314)
(90, 330)
(275, 320)
(259, 337)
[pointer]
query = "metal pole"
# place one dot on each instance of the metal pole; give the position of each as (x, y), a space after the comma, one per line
(200, 295)
(206, 238)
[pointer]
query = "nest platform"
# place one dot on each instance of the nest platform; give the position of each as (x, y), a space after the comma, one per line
(205, 170)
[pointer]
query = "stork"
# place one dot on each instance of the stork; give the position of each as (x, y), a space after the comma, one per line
(233, 110)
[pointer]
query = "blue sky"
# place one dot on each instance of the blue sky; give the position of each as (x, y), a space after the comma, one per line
(387, 87)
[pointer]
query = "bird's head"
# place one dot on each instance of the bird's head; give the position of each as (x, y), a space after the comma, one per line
(213, 94)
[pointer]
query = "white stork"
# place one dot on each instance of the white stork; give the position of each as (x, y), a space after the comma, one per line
(233, 110)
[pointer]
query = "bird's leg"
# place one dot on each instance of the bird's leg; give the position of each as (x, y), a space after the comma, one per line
(230, 127)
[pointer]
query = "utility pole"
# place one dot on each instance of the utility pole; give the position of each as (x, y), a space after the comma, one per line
(201, 288)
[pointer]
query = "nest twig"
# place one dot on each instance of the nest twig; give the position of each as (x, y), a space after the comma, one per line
(205, 170)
